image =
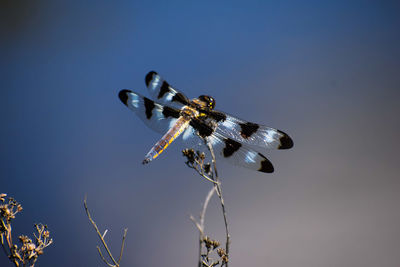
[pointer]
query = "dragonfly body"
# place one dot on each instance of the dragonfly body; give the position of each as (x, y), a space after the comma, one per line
(177, 129)
(173, 114)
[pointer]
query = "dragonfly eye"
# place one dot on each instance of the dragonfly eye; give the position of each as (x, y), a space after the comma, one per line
(208, 100)
(211, 103)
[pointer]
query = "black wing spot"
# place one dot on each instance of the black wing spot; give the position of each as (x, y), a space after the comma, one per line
(266, 165)
(285, 141)
(231, 146)
(123, 96)
(202, 128)
(248, 128)
(163, 90)
(170, 112)
(218, 116)
(180, 98)
(149, 106)
(149, 77)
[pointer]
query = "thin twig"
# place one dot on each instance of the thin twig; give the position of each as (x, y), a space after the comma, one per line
(205, 205)
(196, 161)
(207, 178)
(122, 245)
(102, 257)
(4, 236)
(195, 223)
(100, 236)
(219, 193)
(200, 226)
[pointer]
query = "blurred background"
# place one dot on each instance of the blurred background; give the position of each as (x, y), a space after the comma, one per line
(326, 72)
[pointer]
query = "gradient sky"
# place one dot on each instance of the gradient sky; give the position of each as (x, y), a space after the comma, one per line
(326, 72)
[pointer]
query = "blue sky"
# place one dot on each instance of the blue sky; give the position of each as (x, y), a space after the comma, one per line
(326, 72)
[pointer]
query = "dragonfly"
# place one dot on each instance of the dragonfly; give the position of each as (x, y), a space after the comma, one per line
(171, 113)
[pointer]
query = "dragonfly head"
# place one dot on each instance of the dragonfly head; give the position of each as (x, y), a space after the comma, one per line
(208, 101)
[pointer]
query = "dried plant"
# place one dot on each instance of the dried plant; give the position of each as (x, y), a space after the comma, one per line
(197, 160)
(29, 251)
(206, 245)
(115, 263)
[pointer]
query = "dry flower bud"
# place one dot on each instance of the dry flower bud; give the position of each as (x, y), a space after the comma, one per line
(39, 251)
(22, 238)
(46, 234)
(221, 252)
(201, 155)
(225, 258)
(207, 242)
(30, 247)
(215, 244)
(189, 154)
(6, 211)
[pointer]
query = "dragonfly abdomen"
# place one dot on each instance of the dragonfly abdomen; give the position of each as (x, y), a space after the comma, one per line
(180, 125)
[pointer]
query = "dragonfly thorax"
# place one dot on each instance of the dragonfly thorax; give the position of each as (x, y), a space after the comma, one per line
(189, 112)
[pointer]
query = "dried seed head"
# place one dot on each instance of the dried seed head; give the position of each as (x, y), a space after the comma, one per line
(215, 244)
(225, 258)
(46, 234)
(6, 211)
(208, 242)
(19, 207)
(30, 247)
(202, 156)
(39, 251)
(22, 238)
(221, 252)
(189, 154)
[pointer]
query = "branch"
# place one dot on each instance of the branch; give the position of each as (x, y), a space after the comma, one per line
(219, 193)
(122, 245)
(101, 237)
(29, 251)
(102, 257)
(196, 161)
(200, 226)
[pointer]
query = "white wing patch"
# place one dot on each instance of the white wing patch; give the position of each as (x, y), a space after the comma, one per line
(134, 101)
(172, 122)
(251, 157)
(189, 132)
(169, 97)
(155, 83)
(228, 124)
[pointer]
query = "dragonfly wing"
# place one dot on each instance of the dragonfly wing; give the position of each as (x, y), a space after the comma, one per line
(163, 92)
(251, 133)
(225, 148)
(158, 117)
